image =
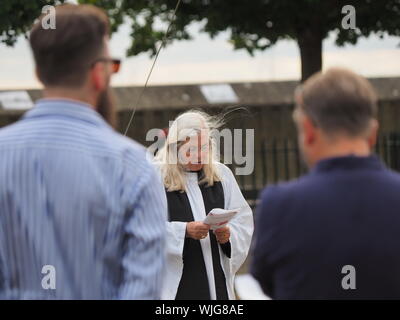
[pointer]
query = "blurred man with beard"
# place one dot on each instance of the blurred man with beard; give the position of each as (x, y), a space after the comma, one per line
(82, 210)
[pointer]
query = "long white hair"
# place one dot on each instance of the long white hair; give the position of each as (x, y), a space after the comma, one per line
(188, 125)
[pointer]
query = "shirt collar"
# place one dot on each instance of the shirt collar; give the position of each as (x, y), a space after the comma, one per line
(66, 108)
(350, 162)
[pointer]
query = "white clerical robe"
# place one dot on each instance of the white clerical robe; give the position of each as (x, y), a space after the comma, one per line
(241, 230)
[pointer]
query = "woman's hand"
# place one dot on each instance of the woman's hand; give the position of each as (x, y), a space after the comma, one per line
(222, 234)
(197, 230)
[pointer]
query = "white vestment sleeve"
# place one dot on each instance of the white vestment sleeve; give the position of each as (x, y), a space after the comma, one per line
(176, 232)
(175, 241)
(242, 225)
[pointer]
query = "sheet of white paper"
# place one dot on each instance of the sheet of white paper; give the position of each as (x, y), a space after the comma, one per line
(218, 218)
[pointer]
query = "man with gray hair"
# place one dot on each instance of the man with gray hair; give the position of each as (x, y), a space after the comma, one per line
(332, 234)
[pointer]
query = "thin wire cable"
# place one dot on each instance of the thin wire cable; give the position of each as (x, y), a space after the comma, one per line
(152, 67)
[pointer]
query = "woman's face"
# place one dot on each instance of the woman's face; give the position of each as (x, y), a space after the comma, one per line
(193, 154)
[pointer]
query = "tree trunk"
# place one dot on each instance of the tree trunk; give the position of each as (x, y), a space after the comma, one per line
(310, 45)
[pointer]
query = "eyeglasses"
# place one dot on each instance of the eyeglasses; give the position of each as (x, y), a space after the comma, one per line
(115, 63)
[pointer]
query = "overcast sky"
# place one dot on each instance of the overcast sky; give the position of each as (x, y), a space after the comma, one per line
(203, 60)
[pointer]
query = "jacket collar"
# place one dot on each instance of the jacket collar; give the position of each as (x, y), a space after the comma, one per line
(350, 162)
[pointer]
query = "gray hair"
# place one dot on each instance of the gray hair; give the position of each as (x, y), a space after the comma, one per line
(339, 102)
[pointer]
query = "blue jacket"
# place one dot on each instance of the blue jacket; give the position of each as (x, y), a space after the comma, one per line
(344, 214)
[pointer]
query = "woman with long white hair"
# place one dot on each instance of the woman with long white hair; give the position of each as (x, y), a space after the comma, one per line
(201, 264)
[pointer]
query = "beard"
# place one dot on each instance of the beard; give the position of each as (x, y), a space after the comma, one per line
(106, 107)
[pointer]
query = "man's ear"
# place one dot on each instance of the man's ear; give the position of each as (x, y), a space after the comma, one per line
(373, 136)
(98, 80)
(309, 130)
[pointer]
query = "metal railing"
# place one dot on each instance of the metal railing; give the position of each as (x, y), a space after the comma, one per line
(280, 160)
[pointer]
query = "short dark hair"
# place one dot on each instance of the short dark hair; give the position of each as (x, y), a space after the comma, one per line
(64, 55)
(339, 101)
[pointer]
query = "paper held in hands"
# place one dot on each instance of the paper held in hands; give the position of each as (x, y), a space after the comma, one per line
(218, 218)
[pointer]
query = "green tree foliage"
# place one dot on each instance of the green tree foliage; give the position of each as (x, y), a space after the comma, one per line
(17, 16)
(256, 25)
(253, 25)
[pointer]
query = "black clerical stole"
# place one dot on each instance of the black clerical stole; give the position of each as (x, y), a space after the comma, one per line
(194, 281)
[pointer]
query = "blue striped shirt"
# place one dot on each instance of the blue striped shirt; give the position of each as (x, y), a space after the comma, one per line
(79, 197)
